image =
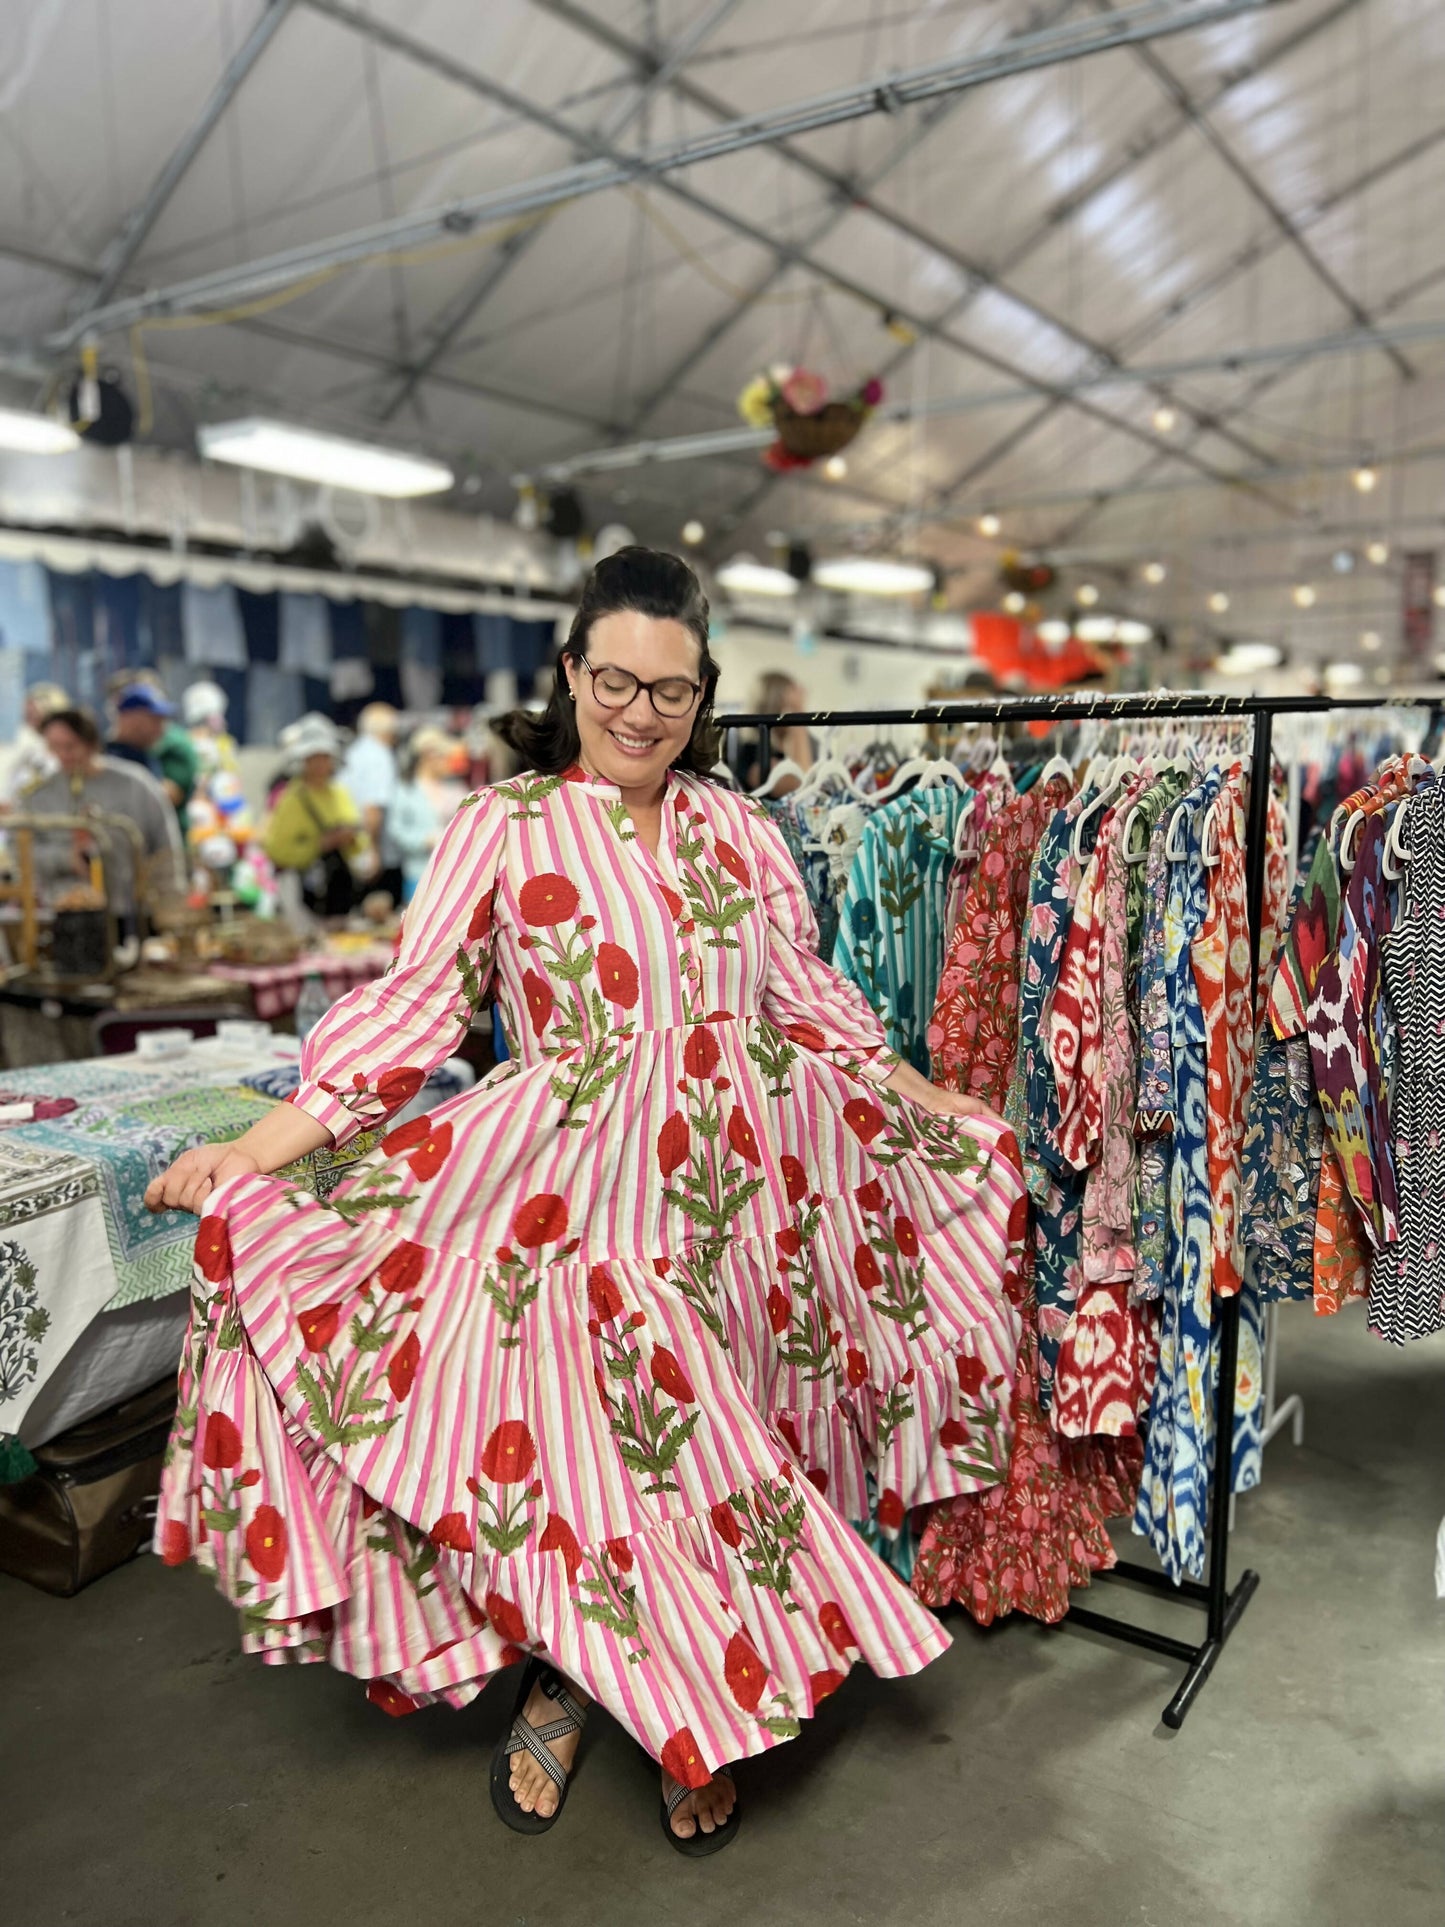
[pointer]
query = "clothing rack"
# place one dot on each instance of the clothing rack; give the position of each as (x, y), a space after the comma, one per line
(1223, 1607)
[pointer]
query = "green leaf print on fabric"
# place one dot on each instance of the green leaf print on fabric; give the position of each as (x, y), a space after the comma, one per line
(611, 1602)
(704, 1160)
(718, 891)
(768, 1531)
(341, 1395)
(774, 1057)
(799, 1315)
(526, 791)
(416, 1555)
(23, 1320)
(694, 1272)
(641, 1406)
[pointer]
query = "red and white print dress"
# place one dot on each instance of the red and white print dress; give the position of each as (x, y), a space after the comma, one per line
(601, 1356)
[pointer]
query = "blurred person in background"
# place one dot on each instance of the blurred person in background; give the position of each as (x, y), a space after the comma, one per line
(203, 712)
(31, 762)
(86, 779)
(426, 800)
(371, 777)
(316, 828)
(168, 752)
(778, 694)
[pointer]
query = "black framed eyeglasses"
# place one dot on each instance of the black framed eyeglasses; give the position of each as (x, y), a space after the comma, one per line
(613, 688)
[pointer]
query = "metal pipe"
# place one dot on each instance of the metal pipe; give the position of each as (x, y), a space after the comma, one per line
(1023, 54)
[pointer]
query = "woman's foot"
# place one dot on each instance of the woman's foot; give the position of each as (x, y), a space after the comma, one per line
(532, 1789)
(704, 1810)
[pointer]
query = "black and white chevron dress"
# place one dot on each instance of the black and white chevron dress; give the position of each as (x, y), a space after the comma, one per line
(1407, 1295)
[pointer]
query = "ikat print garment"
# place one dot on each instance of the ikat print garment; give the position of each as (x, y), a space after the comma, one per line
(599, 1357)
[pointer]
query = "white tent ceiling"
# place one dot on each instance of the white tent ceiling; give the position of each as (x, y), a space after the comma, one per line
(1268, 183)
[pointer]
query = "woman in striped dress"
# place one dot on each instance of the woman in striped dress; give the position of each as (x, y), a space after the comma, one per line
(592, 1366)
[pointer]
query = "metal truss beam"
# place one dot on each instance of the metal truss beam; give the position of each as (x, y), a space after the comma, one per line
(116, 261)
(1028, 52)
(725, 441)
(475, 297)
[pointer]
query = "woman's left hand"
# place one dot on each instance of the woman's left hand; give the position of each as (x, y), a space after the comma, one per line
(916, 1088)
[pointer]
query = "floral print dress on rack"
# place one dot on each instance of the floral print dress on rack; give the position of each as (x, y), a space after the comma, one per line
(598, 1358)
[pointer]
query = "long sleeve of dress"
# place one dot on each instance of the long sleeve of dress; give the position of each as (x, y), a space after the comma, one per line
(372, 1051)
(819, 1009)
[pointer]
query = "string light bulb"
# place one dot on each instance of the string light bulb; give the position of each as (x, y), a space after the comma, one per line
(1370, 642)
(693, 532)
(989, 525)
(1014, 603)
(836, 467)
(1219, 602)
(1378, 553)
(1303, 596)
(1086, 595)
(1165, 419)
(1365, 477)
(1154, 573)
(1438, 596)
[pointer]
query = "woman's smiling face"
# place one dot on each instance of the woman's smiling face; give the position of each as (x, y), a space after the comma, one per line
(634, 745)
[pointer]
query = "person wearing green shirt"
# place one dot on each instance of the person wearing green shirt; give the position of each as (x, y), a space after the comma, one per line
(179, 764)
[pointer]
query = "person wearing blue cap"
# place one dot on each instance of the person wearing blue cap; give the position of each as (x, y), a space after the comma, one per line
(146, 732)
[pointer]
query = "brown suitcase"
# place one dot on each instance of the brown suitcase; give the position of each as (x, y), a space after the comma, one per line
(91, 1502)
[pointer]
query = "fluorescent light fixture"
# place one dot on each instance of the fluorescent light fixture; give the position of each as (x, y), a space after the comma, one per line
(1248, 658)
(331, 460)
(1055, 632)
(1344, 675)
(744, 576)
(872, 575)
(1438, 596)
(31, 434)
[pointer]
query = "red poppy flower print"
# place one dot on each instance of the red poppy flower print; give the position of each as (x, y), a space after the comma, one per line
(863, 1119)
(602, 1294)
(834, 1627)
(795, 1178)
(780, 1310)
(672, 900)
(673, 1141)
(506, 1618)
(540, 1001)
(480, 926)
(618, 974)
(789, 1241)
(432, 1153)
(972, 1376)
(889, 1511)
(509, 1454)
(870, 1195)
(540, 1221)
(819, 1478)
(213, 1250)
(821, 1685)
(547, 900)
(266, 1543)
(400, 1270)
(620, 1553)
(700, 1055)
(726, 1524)
(406, 1136)
(728, 857)
(807, 1036)
(788, 1426)
(905, 1237)
(952, 1434)
(683, 1760)
(865, 1268)
(558, 1536)
(318, 1326)
(857, 1367)
(175, 1543)
(390, 1698)
(743, 1139)
(399, 1085)
(221, 1446)
(402, 1370)
(744, 1672)
(452, 1532)
(668, 1374)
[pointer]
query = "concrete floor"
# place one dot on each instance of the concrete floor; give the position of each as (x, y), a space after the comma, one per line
(151, 1777)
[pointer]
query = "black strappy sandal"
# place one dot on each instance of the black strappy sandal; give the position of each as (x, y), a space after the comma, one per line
(700, 1844)
(523, 1737)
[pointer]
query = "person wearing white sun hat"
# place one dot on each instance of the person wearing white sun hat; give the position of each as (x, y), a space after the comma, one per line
(315, 828)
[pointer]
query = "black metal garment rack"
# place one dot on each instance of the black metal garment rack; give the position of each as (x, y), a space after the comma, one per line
(1223, 1607)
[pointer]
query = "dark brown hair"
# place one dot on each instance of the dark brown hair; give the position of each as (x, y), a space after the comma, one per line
(79, 722)
(651, 583)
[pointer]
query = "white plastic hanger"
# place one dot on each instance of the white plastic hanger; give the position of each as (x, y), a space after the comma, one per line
(1396, 858)
(786, 768)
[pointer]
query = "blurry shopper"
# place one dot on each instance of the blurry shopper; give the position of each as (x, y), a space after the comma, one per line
(31, 762)
(371, 778)
(168, 750)
(316, 827)
(86, 780)
(425, 802)
(778, 694)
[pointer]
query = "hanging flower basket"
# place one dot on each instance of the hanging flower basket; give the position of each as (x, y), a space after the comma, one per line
(809, 426)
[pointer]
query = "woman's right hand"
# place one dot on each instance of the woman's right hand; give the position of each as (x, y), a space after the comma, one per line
(195, 1174)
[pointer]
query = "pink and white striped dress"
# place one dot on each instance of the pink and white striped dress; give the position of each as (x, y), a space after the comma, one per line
(601, 1356)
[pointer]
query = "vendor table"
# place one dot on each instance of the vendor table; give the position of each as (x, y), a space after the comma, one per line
(76, 1240)
(40, 1023)
(275, 988)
